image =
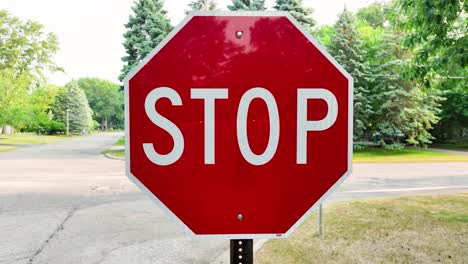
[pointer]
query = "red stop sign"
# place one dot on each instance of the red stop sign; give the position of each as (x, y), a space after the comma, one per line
(239, 124)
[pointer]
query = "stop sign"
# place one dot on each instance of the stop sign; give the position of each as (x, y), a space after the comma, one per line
(238, 124)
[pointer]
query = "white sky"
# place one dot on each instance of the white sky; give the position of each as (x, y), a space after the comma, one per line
(90, 31)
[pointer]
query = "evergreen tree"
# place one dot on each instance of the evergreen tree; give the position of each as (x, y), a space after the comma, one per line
(402, 106)
(73, 100)
(146, 28)
(346, 48)
(205, 5)
(407, 109)
(298, 11)
(247, 5)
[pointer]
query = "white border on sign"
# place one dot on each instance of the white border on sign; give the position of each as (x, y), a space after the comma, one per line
(237, 13)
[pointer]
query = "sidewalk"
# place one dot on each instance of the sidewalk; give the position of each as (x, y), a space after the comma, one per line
(450, 151)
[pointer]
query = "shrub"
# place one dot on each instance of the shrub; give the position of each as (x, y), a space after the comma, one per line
(395, 146)
(48, 127)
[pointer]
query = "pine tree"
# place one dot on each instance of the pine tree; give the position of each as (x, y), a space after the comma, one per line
(73, 100)
(247, 5)
(298, 11)
(206, 5)
(146, 28)
(346, 48)
(402, 106)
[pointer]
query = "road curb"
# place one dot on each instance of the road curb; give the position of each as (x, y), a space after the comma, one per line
(109, 156)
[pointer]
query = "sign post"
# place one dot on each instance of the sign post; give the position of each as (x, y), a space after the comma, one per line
(241, 251)
(320, 220)
(238, 124)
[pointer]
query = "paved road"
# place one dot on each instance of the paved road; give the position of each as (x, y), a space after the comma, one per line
(66, 203)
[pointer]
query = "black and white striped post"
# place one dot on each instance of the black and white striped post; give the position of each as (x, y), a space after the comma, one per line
(241, 251)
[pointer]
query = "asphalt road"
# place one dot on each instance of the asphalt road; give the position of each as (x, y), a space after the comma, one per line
(66, 203)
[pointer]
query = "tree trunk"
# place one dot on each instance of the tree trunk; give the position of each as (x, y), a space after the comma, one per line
(7, 129)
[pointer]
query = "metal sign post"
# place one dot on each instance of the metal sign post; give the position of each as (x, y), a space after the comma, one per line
(320, 220)
(241, 251)
(68, 121)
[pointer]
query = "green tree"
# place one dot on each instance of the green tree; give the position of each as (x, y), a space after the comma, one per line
(247, 5)
(346, 48)
(374, 14)
(454, 115)
(436, 33)
(324, 34)
(105, 100)
(374, 47)
(24, 47)
(25, 54)
(401, 105)
(436, 30)
(72, 99)
(13, 99)
(40, 102)
(146, 28)
(298, 11)
(196, 5)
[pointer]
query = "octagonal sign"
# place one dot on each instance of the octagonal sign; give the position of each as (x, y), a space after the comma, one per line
(238, 124)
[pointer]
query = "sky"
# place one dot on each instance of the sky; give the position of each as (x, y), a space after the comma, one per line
(90, 31)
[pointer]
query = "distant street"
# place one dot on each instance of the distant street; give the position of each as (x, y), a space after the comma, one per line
(66, 203)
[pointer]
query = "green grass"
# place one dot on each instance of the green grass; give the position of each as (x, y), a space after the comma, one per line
(405, 155)
(461, 146)
(30, 139)
(117, 153)
(419, 229)
(120, 142)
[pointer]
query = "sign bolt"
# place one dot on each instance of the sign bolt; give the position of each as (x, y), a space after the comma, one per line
(240, 217)
(239, 34)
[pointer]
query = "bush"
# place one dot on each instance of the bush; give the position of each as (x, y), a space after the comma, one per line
(54, 127)
(48, 127)
(359, 146)
(95, 125)
(395, 146)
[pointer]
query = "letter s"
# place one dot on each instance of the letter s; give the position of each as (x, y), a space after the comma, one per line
(164, 123)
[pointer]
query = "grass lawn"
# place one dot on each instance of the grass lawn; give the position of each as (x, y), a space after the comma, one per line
(404, 155)
(121, 142)
(419, 229)
(30, 139)
(120, 153)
